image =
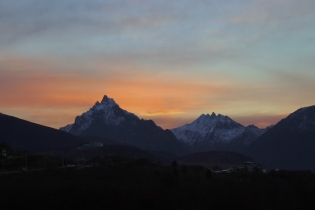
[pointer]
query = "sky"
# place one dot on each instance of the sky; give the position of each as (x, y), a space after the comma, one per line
(169, 61)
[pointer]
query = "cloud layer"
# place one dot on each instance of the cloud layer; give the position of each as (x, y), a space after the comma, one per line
(250, 60)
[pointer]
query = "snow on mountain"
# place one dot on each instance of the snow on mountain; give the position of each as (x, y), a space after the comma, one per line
(108, 110)
(303, 118)
(209, 129)
(290, 144)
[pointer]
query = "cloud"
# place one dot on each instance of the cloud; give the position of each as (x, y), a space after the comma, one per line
(158, 59)
(261, 120)
(44, 77)
(170, 121)
(162, 112)
(41, 84)
(295, 80)
(39, 87)
(268, 12)
(151, 29)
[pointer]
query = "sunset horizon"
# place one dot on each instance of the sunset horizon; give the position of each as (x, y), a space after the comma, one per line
(170, 120)
(252, 61)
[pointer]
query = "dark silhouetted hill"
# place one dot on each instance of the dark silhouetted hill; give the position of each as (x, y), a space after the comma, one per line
(290, 144)
(27, 136)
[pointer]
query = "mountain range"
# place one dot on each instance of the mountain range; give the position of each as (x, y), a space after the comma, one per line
(290, 144)
(206, 133)
(107, 119)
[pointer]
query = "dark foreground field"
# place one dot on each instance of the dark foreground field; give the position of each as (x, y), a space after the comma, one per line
(143, 185)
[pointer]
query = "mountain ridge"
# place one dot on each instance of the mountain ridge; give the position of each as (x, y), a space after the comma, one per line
(216, 132)
(23, 135)
(290, 144)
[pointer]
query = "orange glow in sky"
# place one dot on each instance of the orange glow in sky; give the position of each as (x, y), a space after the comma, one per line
(163, 60)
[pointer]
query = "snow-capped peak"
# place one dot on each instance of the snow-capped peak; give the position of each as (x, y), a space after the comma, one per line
(220, 127)
(107, 110)
(108, 101)
(209, 120)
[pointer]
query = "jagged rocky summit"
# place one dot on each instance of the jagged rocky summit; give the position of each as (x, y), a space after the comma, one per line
(216, 132)
(107, 119)
(107, 112)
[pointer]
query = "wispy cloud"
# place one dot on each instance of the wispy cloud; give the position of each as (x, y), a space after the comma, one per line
(42, 84)
(163, 112)
(165, 60)
(262, 120)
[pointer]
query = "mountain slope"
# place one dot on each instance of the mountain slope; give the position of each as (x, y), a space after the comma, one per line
(290, 144)
(241, 142)
(107, 119)
(27, 136)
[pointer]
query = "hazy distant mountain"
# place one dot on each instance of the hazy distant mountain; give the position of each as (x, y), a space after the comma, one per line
(107, 119)
(290, 144)
(216, 132)
(23, 135)
(241, 142)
